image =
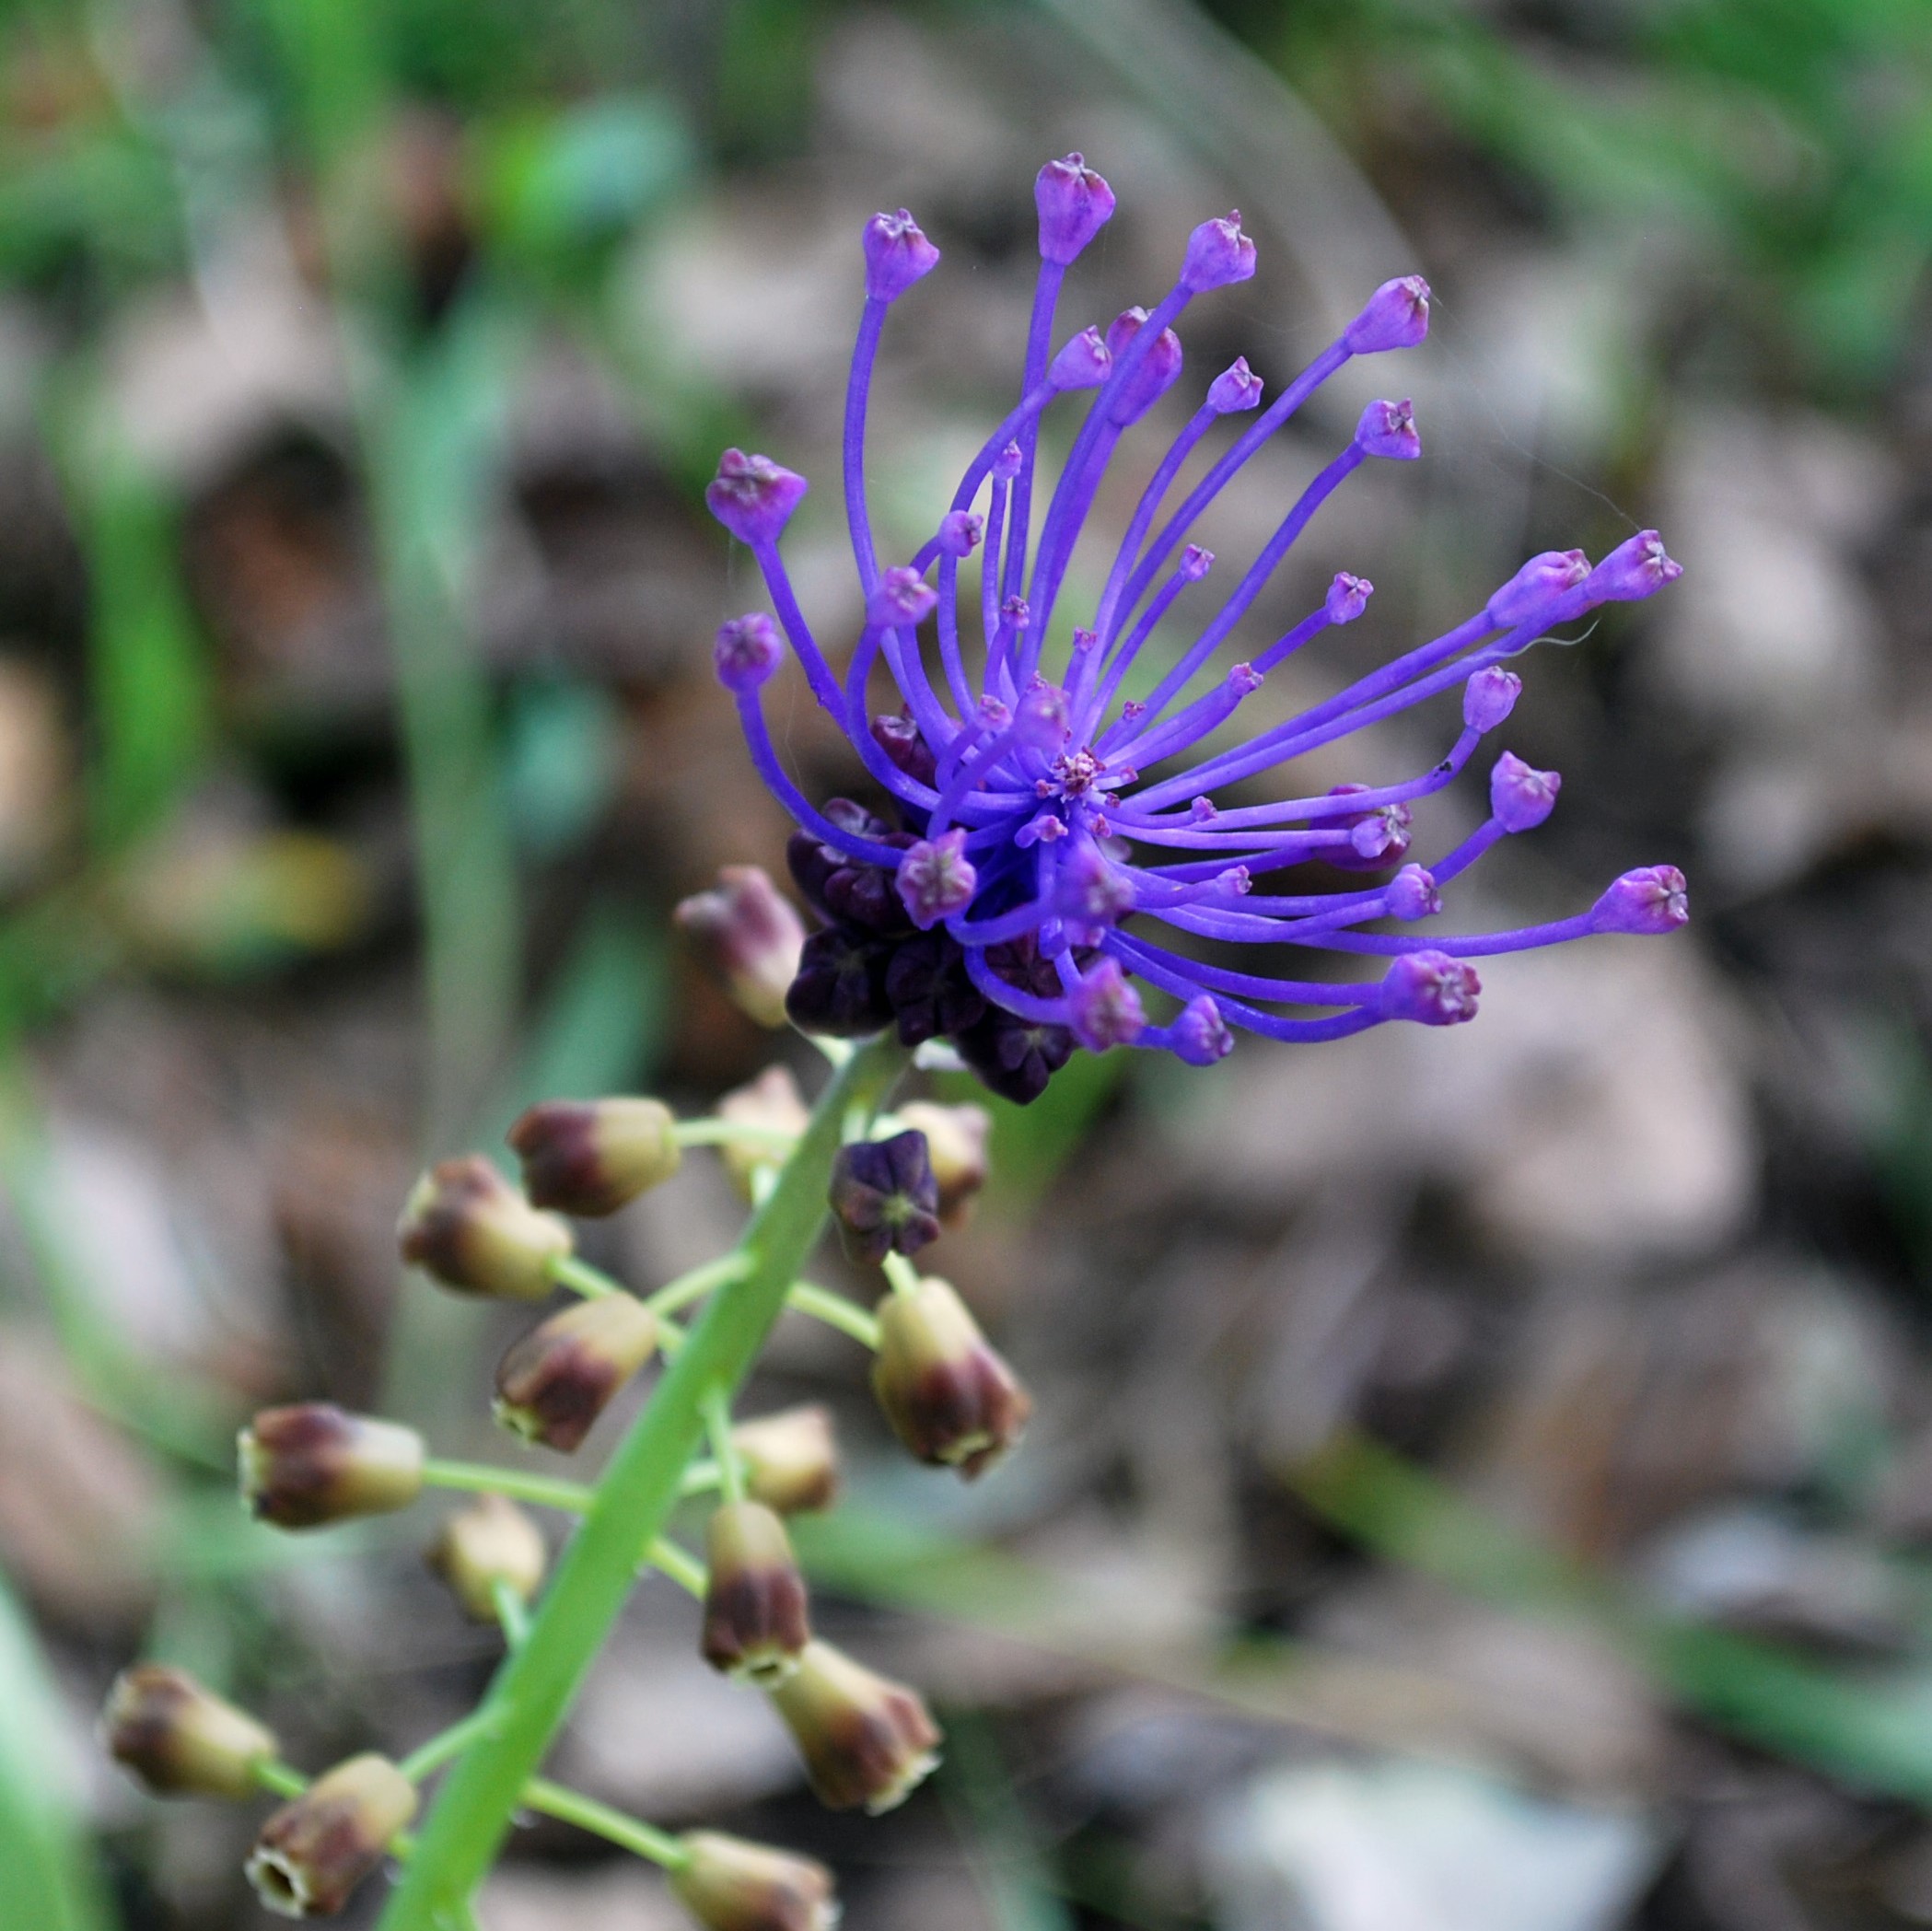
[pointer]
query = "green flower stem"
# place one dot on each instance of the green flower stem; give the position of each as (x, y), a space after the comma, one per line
(629, 1833)
(718, 1424)
(512, 1612)
(684, 1568)
(733, 1133)
(835, 1312)
(698, 1283)
(446, 1744)
(535, 1686)
(284, 1779)
(483, 1478)
(700, 1479)
(903, 1275)
(580, 1277)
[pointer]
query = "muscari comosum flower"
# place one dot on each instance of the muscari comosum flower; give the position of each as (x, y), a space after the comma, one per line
(1049, 823)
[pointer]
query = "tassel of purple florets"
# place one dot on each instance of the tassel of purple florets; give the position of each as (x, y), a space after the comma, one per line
(1056, 815)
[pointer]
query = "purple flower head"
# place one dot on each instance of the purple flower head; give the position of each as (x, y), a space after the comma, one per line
(1389, 429)
(1236, 390)
(1397, 316)
(1080, 845)
(1489, 697)
(897, 255)
(747, 651)
(1159, 367)
(753, 497)
(1085, 363)
(1654, 899)
(1075, 205)
(1430, 988)
(903, 598)
(1347, 597)
(1521, 796)
(960, 533)
(1217, 253)
(1634, 569)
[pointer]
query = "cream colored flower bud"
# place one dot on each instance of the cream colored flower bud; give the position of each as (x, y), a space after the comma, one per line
(317, 1847)
(865, 1739)
(773, 1102)
(956, 1139)
(554, 1383)
(949, 1397)
(180, 1738)
(486, 1542)
(791, 1458)
(314, 1462)
(730, 1885)
(751, 938)
(591, 1156)
(756, 1621)
(472, 1229)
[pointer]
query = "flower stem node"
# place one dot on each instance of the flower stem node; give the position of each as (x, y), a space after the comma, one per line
(728, 1884)
(1217, 253)
(1536, 587)
(1075, 205)
(1521, 796)
(1236, 388)
(1395, 317)
(591, 1156)
(1430, 988)
(1347, 597)
(1652, 899)
(315, 1849)
(747, 652)
(313, 1463)
(751, 938)
(1489, 697)
(884, 1197)
(1636, 568)
(1086, 362)
(790, 1460)
(1389, 429)
(936, 879)
(903, 600)
(897, 255)
(180, 1739)
(753, 497)
(949, 1397)
(756, 1621)
(556, 1381)
(865, 1739)
(956, 1142)
(466, 1224)
(1160, 368)
(488, 1540)
(1106, 1010)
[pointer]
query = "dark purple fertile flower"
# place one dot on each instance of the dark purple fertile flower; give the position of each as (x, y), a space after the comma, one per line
(1058, 812)
(884, 1197)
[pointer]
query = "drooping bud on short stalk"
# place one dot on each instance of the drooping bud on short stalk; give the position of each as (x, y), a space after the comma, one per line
(180, 1738)
(466, 1224)
(1389, 429)
(865, 1739)
(956, 1141)
(1236, 387)
(728, 1884)
(1521, 796)
(1217, 253)
(884, 1197)
(949, 1397)
(556, 1381)
(773, 1104)
(1430, 988)
(897, 255)
(756, 1619)
(790, 1460)
(591, 1156)
(1396, 316)
(753, 497)
(488, 1540)
(1075, 205)
(314, 1462)
(316, 1848)
(1653, 899)
(751, 938)
(746, 652)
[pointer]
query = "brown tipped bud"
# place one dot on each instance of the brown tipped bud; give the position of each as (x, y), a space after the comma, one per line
(955, 1140)
(180, 1738)
(884, 1197)
(555, 1383)
(771, 1101)
(488, 1540)
(865, 1739)
(472, 1229)
(729, 1885)
(755, 1619)
(314, 1462)
(316, 1848)
(591, 1156)
(791, 1460)
(949, 1398)
(750, 936)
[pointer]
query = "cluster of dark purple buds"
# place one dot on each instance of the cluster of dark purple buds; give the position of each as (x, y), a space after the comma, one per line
(1046, 818)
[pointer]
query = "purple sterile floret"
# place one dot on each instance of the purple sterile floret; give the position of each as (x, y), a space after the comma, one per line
(1075, 205)
(897, 255)
(1397, 316)
(747, 652)
(1057, 856)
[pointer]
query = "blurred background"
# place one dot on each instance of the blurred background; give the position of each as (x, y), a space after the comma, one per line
(1480, 1478)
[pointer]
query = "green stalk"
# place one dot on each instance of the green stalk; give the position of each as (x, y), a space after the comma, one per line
(534, 1687)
